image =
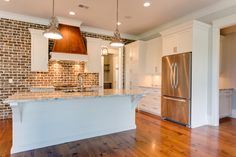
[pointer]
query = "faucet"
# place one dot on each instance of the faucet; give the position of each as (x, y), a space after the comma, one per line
(80, 79)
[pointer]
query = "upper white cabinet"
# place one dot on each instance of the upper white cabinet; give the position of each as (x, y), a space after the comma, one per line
(94, 64)
(134, 63)
(39, 51)
(178, 39)
(153, 53)
(185, 39)
(170, 44)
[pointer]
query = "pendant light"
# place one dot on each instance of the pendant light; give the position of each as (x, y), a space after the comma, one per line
(116, 41)
(52, 32)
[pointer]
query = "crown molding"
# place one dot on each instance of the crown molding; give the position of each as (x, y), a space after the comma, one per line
(219, 6)
(24, 18)
(67, 21)
(106, 32)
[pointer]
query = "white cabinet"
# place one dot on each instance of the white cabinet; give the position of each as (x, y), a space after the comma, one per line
(153, 55)
(185, 40)
(151, 102)
(94, 64)
(134, 63)
(177, 42)
(170, 44)
(226, 96)
(39, 51)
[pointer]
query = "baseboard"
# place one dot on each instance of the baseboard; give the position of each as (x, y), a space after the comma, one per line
(233, 113)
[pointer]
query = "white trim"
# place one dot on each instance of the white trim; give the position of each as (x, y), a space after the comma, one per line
(70, 22)
(106, 32)
(233, 113)
(67, 21)
(217, 25)
(68, 57)
(184, 26)
(38, 20)
(219, 6)
(25, 18)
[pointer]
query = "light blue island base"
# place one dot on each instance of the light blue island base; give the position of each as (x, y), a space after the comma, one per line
(42, 123)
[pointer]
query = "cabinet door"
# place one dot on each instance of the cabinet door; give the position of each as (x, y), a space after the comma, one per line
(185, 41)
(225, 103)
(39, 51)
(153, 56)
(94, 64)
(134, 63)
(170, 44)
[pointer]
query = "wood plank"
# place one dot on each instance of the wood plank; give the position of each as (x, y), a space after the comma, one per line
(152, 138)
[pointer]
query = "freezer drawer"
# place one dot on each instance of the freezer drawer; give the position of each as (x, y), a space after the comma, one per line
(177, 110)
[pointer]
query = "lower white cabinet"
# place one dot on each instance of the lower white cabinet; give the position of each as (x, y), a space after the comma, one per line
(151, 102)
(226, 96)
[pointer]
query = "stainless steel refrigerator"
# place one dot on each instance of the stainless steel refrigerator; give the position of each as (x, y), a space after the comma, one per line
(176, 88)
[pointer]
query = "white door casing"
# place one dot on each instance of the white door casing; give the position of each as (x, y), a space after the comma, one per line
(217, 25)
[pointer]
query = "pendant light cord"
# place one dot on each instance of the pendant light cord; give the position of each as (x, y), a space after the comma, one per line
(117, 20)
(53, 14)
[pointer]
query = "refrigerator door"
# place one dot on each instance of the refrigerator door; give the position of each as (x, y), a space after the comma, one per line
(168, 75)
(177, 110)
(182, 75)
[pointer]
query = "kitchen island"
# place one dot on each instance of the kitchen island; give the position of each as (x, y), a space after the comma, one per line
(42, 119)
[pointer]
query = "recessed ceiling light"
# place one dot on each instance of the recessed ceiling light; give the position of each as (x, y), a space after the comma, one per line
(72, 13)
(118, 23)
(146, 4)
(7, 0)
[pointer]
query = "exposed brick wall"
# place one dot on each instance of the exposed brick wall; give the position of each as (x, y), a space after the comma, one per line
(104, 37)
(62, 73)
(15, 63)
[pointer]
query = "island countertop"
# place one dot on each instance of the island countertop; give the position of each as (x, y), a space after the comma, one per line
(54, 95)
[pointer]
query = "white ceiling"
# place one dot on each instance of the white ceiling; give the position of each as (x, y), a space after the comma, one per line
(101, 13)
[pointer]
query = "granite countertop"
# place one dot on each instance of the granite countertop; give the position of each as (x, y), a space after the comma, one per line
(226, 89)
(156, 87)
(54, 95)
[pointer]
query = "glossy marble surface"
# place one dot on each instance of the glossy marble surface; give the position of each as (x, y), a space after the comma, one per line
(36, 96)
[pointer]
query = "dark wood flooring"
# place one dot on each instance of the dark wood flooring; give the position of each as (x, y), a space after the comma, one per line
(152, 138)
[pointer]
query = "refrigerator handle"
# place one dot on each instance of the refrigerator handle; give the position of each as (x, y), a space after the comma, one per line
(174, 99)
(171, 75)
(176, 75)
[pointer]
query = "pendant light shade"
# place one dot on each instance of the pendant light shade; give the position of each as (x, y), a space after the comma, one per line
(52, 32)
(116, 41)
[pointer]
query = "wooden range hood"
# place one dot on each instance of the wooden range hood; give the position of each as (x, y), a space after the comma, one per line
(72, 41)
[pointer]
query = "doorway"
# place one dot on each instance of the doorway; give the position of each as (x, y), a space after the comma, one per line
(227, 76)
(112, 62)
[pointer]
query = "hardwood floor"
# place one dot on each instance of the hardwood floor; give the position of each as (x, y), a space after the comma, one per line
(152, 138)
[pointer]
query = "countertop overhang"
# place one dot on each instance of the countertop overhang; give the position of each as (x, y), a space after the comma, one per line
(60, 95)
